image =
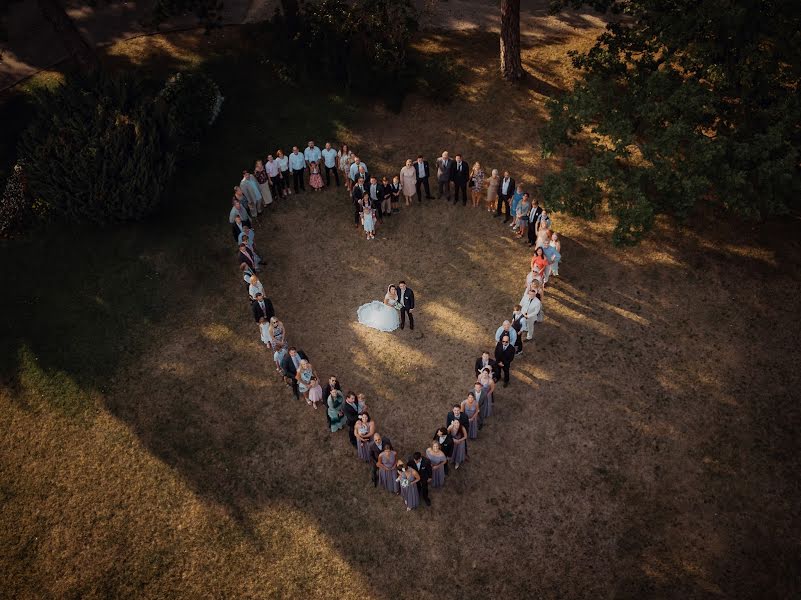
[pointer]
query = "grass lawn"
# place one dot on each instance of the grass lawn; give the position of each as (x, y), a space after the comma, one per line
(647, 446)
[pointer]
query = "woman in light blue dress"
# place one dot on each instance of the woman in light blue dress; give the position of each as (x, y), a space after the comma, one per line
(368, 220)
(438, 462)
(407, 482)
(335, 414)
(553, 253)
(304, 376)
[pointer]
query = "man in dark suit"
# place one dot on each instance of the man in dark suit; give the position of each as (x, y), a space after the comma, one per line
(460, 176)
(333, 384)
(445, 441)
(375, 448)
(485, 361)
(246, 256)
(423, 173)
(351, 410)
(504, 355)
(262, 308)
(506, 189)
(357, 195)
(289, 366)
(374, 190)
(535, 213)
(422, 465)
(406, 298)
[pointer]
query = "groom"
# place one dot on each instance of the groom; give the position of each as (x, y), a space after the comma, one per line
(406, 299)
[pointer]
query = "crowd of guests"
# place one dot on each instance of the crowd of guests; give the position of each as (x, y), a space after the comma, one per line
(280, 176)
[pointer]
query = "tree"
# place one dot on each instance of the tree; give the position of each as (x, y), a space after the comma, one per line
(680, 104)
(511, 67)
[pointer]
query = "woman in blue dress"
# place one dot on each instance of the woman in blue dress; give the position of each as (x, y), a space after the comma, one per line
(407, 482)
(304, 376)
(459, 436)
(336, 416)
(488, 383)
(552, 252)
(387, 464)
(438, 462)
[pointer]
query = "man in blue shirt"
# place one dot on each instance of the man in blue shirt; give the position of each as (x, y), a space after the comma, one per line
(330, 163)
(297, 164)
(506, 329)
(311, 154)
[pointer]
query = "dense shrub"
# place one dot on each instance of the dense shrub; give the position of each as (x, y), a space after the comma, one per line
(96, 150)
(191, 103)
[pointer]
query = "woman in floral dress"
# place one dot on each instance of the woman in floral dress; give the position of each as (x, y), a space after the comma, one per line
(477, 183)
(263, 181)
(363, 429)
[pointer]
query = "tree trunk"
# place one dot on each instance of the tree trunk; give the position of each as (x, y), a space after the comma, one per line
(511, 67)
(79, 49)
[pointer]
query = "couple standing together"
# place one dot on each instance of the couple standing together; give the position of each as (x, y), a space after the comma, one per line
(390, 314)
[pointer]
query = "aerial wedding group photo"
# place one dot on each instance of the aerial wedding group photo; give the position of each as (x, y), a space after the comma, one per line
(400, 299)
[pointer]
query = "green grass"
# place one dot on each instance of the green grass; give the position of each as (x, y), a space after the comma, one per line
(79, 301)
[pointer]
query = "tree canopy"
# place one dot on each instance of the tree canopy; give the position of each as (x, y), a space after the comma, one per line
(681, 102)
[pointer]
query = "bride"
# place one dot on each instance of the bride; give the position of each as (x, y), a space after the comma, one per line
(381, 315)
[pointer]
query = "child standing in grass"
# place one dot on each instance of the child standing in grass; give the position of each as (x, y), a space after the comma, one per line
(368, 218)
(315, 179)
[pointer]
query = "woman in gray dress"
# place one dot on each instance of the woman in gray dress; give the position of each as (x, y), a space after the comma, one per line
(488, 383)
(387, 464)
(438, 462)
(363, 429)
(407, 481)
(470, 408)
(459, 436)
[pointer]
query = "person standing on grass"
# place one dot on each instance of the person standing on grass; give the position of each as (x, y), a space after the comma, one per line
(251, 189)
(422, 175)
(461, 173)
(518, 325)
(387, 464)
(283, 165)
(336, 416)
(523, 212)
(506, 329)
(487, 381)
(459, 435)
(506, 190)
(315, 180)
(472, 411)
(443, 438)
(395, 192)
(439, 463)
(408, 179)
(246, 256)
(344, 160)
(312, 154)
(289, 366)
(263, 181)
(237, 227)
(363, 431)
(357, 195)
(274, 173)
(255, 287)
(315, 392)
(504, 355)
(333, 384)
(262, 308)
(385, 195)
(484, 410)
(376, 447)
(531, 306)
(518, 196)
(444, 175)
(422, 465)
(297, 167)
(484, 361)
(238, 210)
(476, 184)
(407, 481)
(375, 198)
(329, 156)
(351, 411)
(357, 167)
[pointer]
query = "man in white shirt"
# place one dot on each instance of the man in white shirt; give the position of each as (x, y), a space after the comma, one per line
(297, 164)
(330, 163)
(354, 169)
(422, 172)
(375, 200)
(311, 153)
(505, 192)
(444, 175)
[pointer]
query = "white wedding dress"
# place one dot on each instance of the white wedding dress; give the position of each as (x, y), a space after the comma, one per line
(379, 316)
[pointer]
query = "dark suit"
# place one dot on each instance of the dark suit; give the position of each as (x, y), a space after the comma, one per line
(532, 225)
(385, 193)
(461, 173)
(288, 367)
(425, 472)
(375, 203)
(492, 364)
(506, 357)
(357, 195)
(236, 230)
(246, 256)
(406, 298)
(258, 312)
(374, 452)
(504, 198)
(395, 190)
(422, 181)
(351, 416)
